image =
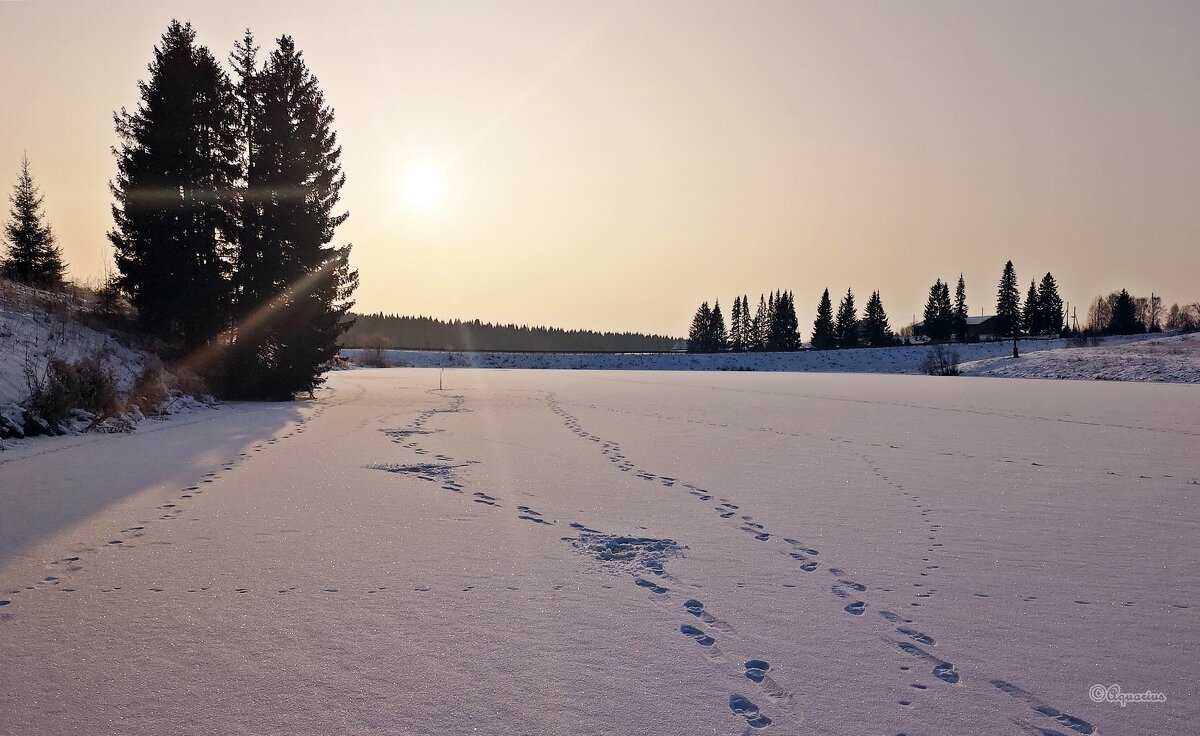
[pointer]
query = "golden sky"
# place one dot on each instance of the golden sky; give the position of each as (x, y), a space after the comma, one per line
(610, 165)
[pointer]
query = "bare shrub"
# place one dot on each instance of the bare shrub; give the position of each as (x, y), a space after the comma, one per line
(96, 383)
(150, 391)
(940, 361)
(53, 390)
(1085, 339)
(375, 354)
(59, 387)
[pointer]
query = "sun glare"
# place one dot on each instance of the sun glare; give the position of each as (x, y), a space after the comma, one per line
(422, 186)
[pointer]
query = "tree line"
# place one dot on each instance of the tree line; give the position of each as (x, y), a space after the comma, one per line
(773, 325)
(225, 208)
(426, 333)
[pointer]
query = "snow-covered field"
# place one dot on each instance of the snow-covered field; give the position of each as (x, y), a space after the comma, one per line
(586, 552)
(1139, 358)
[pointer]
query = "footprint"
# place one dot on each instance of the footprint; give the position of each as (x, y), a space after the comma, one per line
(917, 635)
(650, 585)
(756, 669)
(701, 638)
(856, 608)
(742, 706)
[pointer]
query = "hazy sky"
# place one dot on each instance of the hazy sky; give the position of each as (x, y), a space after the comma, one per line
(610, 165)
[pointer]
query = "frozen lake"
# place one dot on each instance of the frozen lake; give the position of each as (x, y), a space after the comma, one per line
(587, 552)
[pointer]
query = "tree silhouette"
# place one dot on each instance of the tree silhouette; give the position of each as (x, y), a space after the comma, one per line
(1031, 311)
(1124, 316)
(823, 337)
(1008, 303)
(960, 310)
(761, 324)
(1050, 306)
(699, 340)
(176, 169)
(876, 331)
(718, 337)
(939, 314)
(32, 255)
(295, 284)
(737, 341)
(846, 326)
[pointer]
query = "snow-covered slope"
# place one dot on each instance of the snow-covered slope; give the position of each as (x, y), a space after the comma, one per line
(1174, 359)
(603, 554)
(35, 325)
(1167, 360)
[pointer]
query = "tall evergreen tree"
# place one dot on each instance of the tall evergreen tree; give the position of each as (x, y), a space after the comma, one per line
(1124, 316)
(698, 334)
(736, 341)
(176, 169)
(784, 331)
(247, 228)
(1031, 311)
(876, 331)
(295, 284)
(717, 334)
(746, 326)
(846, 326)
(939, 314)
(1050, 305)
(960, 310)
(32, 255)
(823, 337)
(762, 320)
(1008, 303)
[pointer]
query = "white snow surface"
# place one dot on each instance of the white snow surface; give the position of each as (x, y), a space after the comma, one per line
(587, 552)
(1138, 358)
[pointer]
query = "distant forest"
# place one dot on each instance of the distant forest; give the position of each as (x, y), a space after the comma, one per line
(427, 333)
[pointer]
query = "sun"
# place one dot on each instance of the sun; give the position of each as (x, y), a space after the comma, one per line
(423, 186)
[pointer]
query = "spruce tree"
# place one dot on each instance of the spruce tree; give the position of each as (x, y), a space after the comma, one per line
(746, 326)
(1031, 311)
(1051, 305)
(737, 342)
(698, 341)
(32, 255)
(938, 312)
(247, 228)
(176, 169)
(876, 331)
(960, 310)
(823, 337)
(1124, 317)
(784, 331)
(762, 321)
(1008, 303)
(791, 325)
(295, 284)
(718, 337)
(846, 326)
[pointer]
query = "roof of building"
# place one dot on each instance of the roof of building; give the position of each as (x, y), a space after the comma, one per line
(971, 321)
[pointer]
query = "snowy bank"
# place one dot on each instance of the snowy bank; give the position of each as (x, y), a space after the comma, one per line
(1159, 363)
(1174, 359)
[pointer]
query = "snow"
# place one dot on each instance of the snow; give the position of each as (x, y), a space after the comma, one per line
(589, 552)
(1138, 358)
(35, 325)
(1172, 359)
